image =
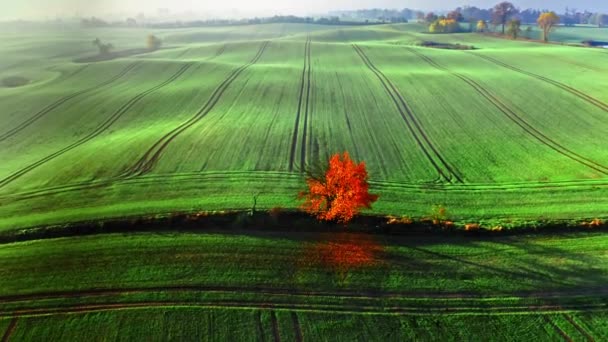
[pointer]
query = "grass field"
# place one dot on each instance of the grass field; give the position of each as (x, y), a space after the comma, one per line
(305, 286)
(509, 133)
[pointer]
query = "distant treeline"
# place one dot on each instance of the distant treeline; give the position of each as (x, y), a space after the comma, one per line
(571, 17)
(131, 22)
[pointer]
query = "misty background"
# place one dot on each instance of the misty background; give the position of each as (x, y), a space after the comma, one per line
(190, 9)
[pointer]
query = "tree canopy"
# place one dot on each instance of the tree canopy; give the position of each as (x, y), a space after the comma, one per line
(340, 193)
(547, 22)
(502, 12)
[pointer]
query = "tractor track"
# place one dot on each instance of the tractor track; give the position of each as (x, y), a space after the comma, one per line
(259, 326)
(151, 156)
(412, 123)
(579, 328)
(296, 326)
(307, 120)
(296, 128)
(63, 100)
(151, 179)
(336, 308)
(588, 98)
(10, 329)
(517, 119)
(557, 329)
(275, 327)
(100, 129)
(341, 294)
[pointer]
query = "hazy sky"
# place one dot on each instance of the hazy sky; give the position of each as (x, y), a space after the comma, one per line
(13, 9)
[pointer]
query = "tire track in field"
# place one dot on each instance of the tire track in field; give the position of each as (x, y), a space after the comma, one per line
(296, 326)
(183, 177)
(307, 131)
(517, 119)
(579, 328)
(590, 99)
(447, 172)
(10, 329)
(63, 100)
(151, 156)
(300, 306)
(275, 327)
(557, 329)
(259, 326)
(365, 294)
(100, 129)
(304, 84)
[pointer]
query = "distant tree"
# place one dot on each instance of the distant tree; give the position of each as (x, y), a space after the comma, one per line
(503, 12)
(420, 16)
(482, 26)
(444, 26)
(547, 22)
(103, 48)
(602, 20)
(514, 28)
(455, 15)
(131, 22)
(528, 32)
(338, 193)
(153, 42)
(430, 17)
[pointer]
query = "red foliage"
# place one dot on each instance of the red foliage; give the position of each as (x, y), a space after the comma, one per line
(344, 252)
(340, 193)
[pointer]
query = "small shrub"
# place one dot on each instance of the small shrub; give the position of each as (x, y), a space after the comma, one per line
(497, 229)
(439, 214)
(14, 81)
(471, 227)
(401, 220)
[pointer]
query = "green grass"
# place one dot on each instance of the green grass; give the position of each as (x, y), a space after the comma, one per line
(249, 286)
(510, 133)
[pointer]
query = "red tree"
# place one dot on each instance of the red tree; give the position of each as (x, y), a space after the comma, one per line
(340, 193)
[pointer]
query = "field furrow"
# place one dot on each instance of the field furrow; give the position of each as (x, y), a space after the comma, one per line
(517, 119)
(590, 99)
(63, 100)
(446, 171)
(100, 129)
(303, 96)
(151, 156)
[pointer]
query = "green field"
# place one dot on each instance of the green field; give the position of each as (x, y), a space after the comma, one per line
(509, 133)
(297, 286)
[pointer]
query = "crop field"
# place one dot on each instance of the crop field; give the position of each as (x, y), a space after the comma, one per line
(304, 286)
(507, 133)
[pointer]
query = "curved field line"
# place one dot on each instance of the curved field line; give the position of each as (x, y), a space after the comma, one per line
(9, 330)
(296, 326)
(100, 129)
(275, 327)
(63, 100)
(295, 306)
(557, 329)
(151, 156)
(258, 325)
(294, 139)
(344, 294)
(306, 130)
(518, 120)
(182, 177)
(183, 53)
(590, 99)
(579, 328)
(406, 112)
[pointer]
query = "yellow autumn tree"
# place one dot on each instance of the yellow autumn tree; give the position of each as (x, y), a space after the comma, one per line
(444, 26)
(547, 22)
(482, 26)
(153, 42)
